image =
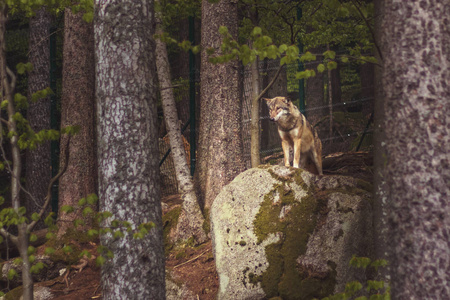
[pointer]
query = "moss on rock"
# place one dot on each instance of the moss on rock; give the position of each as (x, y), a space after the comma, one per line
(282, 278)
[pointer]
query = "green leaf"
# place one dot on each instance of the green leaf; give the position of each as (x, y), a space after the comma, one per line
(22, 68)
(360, 262)
(18, 261)
(67, 249)
(12, 273)
(223, 30)
(49, 235)
(88, 17)
(308, 56)
(67, 209)
(32, 258)
(344, 59)
(31, 250)
(22, 210)
(92, 232)
(4, 104)
(331, 65)
(282, 48)
(256, 31)
(78, 222)
(353, 287)
(33, 237)
(87, 211)
(329, 54)
(100, 260)
(92, 199)
(82, 202)
(118, 234)
(321, 68)
(49, 250)
(374, 285)
(35, 217)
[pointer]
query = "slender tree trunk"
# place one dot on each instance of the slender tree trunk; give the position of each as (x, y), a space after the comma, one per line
(330, 100)
(8, 80)
(77, 109)
(315, 102)
(220, 148)
(128, 146)
(270, 138)
(191, 220)
(38, 161)
(255, 130)
(416, 39)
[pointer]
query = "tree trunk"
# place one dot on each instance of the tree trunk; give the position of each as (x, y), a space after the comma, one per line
(315, 102)
(255, 131)
(38, 161)
(417, 146)
(8, 80)
(191, 220)
(270, 138)
(220, 142)
(128, 146)
(77, 109)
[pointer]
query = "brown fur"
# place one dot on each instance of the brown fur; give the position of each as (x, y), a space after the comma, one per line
(296, 132)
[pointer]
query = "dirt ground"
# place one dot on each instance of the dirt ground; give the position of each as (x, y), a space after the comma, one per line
(196, 268)
(193, 266)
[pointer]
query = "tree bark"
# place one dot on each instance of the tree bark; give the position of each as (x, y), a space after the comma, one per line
(191, 220)
(127, 140)
(77, 109)
(416, 39)
(220, 148)
(38, 161)
(255, 130)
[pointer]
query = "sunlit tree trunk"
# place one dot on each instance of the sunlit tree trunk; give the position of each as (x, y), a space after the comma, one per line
(127, 141)
(416, 39)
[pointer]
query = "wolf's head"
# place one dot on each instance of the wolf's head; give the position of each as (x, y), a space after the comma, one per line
(278, 107)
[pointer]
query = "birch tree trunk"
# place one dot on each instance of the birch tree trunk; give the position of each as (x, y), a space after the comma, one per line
(416, 77)
(191, 220)
(128, 146)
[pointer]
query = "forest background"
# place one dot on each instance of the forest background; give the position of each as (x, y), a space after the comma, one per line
(106, 97)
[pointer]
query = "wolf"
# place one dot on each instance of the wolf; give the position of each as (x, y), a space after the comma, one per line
(296, 132)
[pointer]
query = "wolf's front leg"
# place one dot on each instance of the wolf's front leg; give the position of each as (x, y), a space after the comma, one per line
(285, 146)
(297, 147)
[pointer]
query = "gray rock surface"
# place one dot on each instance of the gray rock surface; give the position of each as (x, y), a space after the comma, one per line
(285, 232)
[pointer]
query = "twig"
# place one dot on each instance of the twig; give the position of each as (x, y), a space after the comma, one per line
(48, 197)
(270, 83)
(191, 260)
(370, 29)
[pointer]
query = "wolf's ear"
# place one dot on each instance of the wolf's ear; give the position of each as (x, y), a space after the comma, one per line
(268, 100)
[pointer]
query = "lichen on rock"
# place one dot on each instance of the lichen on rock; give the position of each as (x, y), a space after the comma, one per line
(283, 214)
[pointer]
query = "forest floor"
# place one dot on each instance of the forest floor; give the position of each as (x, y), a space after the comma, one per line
(196, 266)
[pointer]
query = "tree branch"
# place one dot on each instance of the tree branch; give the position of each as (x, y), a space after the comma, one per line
(270, 83)
(372, 33)
(48, 197)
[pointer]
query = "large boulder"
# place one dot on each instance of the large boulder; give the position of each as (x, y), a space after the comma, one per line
(284, 232)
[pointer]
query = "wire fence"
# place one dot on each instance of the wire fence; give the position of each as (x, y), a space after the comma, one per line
(350, 99)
